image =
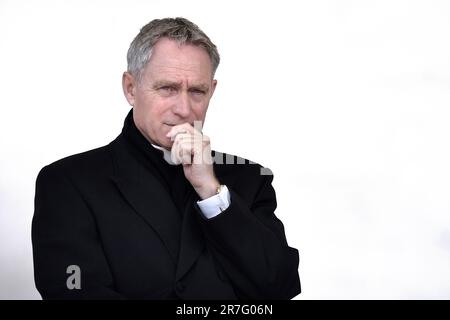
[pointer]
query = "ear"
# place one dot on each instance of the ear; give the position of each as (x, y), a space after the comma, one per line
(213, 87)
(129, 87)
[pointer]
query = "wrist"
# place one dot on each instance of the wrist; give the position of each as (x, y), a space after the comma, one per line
(209, 190)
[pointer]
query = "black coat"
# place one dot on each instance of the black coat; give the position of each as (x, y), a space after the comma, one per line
(104, 212)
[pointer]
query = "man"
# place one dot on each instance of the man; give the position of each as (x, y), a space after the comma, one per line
(156, 214)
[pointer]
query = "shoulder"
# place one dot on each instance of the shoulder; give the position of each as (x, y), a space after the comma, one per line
(89, 163)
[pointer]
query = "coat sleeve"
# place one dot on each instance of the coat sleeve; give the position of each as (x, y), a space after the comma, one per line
(64, 234)
(249, 245)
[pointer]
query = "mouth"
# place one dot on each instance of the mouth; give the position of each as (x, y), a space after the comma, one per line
(176, 124)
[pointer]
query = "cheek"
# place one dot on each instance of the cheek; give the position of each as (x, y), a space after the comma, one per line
(151, 106)
(200, 111)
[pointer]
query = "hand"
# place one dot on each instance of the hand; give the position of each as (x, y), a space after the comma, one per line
(193, 150)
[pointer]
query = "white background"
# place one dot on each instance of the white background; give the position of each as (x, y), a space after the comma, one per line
(346, 101)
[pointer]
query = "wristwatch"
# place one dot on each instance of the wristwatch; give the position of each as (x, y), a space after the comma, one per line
(219, 188)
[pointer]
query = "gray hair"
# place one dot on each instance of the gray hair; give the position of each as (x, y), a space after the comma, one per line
(179, 29)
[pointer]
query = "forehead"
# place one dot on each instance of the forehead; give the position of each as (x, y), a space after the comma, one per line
(170, 59)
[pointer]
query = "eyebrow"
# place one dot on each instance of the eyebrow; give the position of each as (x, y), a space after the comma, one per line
(167, 83)
(201, 86)
(163, 83)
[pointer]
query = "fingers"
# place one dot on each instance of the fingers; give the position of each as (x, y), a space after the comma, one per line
(181, 149)
(183, 136)
(184, 128)
(189, 149)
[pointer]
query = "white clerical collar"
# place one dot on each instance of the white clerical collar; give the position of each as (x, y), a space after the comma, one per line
(167, 154)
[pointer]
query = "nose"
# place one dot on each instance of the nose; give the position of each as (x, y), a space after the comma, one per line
(182, 106)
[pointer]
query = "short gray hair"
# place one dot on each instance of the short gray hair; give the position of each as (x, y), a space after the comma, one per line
(179, 29)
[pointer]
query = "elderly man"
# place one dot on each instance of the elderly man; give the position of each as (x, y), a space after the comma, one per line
(156, 214)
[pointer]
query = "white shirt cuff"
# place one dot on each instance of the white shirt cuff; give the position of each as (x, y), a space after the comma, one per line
(212, 206)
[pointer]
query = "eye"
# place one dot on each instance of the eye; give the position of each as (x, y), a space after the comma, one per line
(167, 88)
(167, 91)
(198, 91)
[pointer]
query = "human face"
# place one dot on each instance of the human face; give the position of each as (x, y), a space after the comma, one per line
(175, 87)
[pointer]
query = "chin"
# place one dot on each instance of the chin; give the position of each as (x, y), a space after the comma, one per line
(167, 145)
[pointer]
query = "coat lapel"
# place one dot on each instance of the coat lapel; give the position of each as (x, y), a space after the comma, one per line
(192, 241)
(182, 236)
(147, 196)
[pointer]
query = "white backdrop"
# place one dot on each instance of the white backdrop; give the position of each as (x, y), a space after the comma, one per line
(346, 101)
